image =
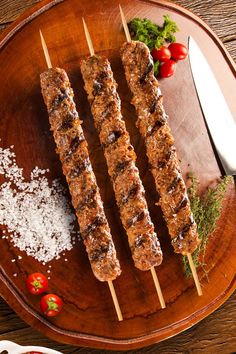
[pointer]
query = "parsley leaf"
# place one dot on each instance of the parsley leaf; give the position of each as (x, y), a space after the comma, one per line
(151, 34)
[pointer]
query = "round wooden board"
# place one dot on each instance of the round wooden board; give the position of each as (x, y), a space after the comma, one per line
(88, 317)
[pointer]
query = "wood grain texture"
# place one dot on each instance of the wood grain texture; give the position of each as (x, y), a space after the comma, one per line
(219, 15)
(216, 334)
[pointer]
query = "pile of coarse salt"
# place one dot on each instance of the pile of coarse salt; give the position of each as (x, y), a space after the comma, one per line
(38, 217)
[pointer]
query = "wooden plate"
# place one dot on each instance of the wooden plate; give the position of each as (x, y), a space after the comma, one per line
(88, 317)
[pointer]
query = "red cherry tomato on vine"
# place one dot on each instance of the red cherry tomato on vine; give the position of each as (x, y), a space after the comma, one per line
(162, 54)
(178, 51)
(167, 69)
(51, 305)
(37, 283)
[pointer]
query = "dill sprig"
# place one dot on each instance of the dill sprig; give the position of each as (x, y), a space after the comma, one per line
(206, 211)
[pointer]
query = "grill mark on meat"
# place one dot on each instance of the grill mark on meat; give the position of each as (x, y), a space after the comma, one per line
(120, 168)
(167, 157)
(143, 78)
(58, 99)
(88, 201)
(173, 184)
(67, 122)
(98, 221)
(113, 137)
(100, 253)
(99, 83)
(138, 217)
(158, 124)
(131, 194)
(139, 241)
(81, 167)
(75, 142)
(182, 204)
(184, 231)
(154, 103)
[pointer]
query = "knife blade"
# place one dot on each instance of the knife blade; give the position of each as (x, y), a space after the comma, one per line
(218, 117)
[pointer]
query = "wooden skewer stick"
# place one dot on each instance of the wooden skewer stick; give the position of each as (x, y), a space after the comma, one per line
(195, 276)
(158, 288)
(110, 284)
(88, 38)
(125, 26)
(45, 50)
(192, 266)
(115, 300)
(153, 271)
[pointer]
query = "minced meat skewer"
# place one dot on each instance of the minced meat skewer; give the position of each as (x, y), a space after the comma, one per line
(154, 128)
(73, 151)
(120, 157)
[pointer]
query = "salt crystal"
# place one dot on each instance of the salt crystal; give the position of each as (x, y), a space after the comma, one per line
(38, 217)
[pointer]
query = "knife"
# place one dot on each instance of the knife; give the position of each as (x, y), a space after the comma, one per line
(218, 117)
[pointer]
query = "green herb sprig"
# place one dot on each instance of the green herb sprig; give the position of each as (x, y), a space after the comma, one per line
(151, 34)
(206, 211)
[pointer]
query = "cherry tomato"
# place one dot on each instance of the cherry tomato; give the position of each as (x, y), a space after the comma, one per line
(178, 51)
(51, 305)
(167, 69)
(37, 283)
(162, 54)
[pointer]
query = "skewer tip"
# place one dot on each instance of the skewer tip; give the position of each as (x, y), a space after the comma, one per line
(88, 38)
(195, 276)
(45, 50)
(115, 300)
(125, 26)
(158, 288)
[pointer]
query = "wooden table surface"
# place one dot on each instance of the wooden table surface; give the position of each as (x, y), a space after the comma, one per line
(215, 334)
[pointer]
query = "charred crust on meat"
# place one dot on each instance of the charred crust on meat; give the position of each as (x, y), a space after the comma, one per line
(120, 168)
(59, 99)
(88, 202)
(154, 103)
(138, 217)
(113, 137)
(67, 122)
(97, 222)
(181, 205)
(80, 167)
(157, 125)
(100, 253)
(99, 83)
(183, 232)
(131, 194)
(75, 142)
(173, 184)
(162, 163)
(143, 78)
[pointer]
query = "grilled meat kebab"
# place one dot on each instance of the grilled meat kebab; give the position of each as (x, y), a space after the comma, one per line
(73, 151)
(120, 157)
(154, 128)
